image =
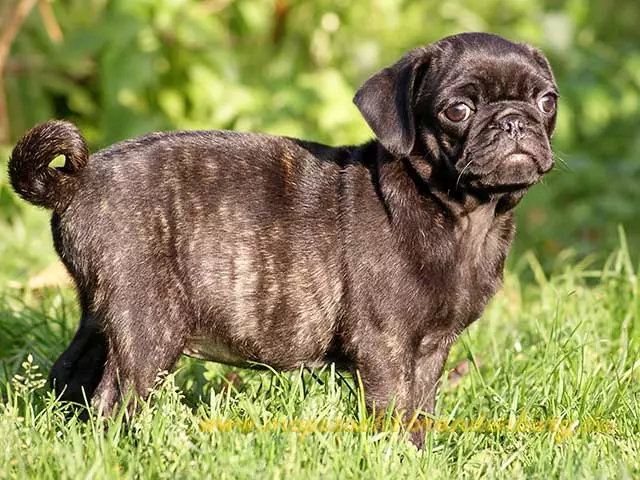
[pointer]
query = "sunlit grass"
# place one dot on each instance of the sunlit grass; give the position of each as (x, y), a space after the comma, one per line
(550, 389)
(546, 385)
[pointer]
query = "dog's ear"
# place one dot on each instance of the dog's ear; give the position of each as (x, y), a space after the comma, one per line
(544, 64)
(542, 61)
(386, 102)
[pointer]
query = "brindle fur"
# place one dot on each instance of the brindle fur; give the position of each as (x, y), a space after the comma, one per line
(241, 247)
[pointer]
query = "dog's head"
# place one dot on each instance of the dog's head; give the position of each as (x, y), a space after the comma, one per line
(475, 105)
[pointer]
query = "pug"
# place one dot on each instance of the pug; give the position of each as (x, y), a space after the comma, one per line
(247, 249)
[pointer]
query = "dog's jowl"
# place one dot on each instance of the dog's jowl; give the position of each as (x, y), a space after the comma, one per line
(240, 247)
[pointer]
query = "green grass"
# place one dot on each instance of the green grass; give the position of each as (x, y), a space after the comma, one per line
(560, 346)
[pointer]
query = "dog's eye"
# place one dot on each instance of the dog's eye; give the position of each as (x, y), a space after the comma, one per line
(547, 104)
(458, 112)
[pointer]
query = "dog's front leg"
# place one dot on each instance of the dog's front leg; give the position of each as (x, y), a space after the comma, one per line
(386, 373)
(428, 367)
(405, 378)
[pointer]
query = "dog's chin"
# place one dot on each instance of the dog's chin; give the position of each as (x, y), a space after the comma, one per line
(512, 173)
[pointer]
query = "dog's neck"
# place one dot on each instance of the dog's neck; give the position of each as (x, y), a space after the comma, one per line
(425, 180)
(417, 201)
(445, 183)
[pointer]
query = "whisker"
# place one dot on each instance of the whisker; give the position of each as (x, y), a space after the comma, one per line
(460, 176)
(560, 158)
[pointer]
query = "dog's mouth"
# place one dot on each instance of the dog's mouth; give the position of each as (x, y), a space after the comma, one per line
(515, 171)
(522, 158)
(500, 188)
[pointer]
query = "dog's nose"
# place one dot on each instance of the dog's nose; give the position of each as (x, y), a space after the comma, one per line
(514, 125)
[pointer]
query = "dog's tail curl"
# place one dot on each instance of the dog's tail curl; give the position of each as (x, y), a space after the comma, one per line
(29, 171)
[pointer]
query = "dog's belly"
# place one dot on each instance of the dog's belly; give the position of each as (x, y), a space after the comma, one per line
(212, 349)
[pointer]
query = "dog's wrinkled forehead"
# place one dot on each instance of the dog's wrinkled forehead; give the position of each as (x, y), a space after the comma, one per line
(487, 67)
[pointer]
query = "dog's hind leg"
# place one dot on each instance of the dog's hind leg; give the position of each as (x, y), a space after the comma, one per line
(143, 343)
(77, 372)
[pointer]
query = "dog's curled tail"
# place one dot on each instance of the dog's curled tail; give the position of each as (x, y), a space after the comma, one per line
(29, 171)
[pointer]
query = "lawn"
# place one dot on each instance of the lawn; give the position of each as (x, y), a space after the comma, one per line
(545, 384)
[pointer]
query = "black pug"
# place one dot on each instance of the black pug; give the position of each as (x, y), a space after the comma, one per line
(241, 247)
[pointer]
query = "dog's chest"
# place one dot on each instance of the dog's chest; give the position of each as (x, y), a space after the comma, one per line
(461, 269)
(481, 243)
(479, 238)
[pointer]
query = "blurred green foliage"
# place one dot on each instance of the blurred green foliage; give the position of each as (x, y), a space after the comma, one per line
(290, 67)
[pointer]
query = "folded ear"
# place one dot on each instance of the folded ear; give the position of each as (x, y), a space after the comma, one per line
(386, 102)
(541, 60)
(544, 64)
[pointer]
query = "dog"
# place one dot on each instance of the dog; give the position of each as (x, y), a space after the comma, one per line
(245, 248)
